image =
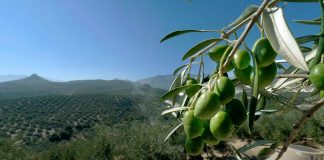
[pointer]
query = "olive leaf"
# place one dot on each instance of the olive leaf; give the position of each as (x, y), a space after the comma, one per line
(178, 33)
(254, 144)
(249, 10)
(281, 39)
(316, 21)
(174, 110)
(268, 111)
(280, 66)
(237, 153)
(255, 88)
(179, 68)
(176, 91)
(199, 47)
(260, 106)
(176, 83)
(299, 0)
(244, 99)
(262, 102)
(306, 39)
(304, 49)
(172, 131)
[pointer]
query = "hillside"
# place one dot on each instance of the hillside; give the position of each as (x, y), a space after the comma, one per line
(160, 81)
(38, 86)
(40, 117)
(38, 108)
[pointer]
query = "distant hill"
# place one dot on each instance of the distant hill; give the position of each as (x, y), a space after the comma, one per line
(159, 81)
(10, 77)
(35, 85)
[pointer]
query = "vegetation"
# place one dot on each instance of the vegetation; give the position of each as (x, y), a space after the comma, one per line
(213, 101)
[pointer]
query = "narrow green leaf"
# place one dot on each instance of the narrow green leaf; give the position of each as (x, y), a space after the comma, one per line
(306, 39)
(304, 49)
(260, 106)
(262, 102)
(176, 82)
(199, 47)
(249, 10)
(255, 90)
(178, 69)
(237, 154)
(280, 66)
(172, 131)
(244, 99)
(176, 91)
(174, 110)
(299, 1)
(269, 111)
(320, 50)
(254, 144)
(316, 21)
(178, 33)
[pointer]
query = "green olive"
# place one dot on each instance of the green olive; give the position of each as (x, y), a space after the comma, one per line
(225, 89)
(241, 59)
(217, 52)
(316, 76)
(236, 111)
(264, 53)
(221, 125)
(208, 137)
(266, 75)
(192, 90)
(194, 146)
(192, 125)
(207, 105)
(244, 75)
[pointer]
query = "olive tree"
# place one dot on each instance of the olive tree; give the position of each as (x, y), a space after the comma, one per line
(207, 105)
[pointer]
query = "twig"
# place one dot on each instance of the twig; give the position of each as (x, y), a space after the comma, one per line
(292, 76)
(309, 113)
(225, 35)
(249, 26)
(279, 100)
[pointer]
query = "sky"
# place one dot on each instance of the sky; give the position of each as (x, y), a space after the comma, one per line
(108, 39)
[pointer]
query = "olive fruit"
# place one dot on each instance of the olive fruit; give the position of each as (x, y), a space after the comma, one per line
(191, 91)
(229, 67)
(244, 75)
(221, 125)
(316, 76)
(194, 146)
(266, 75)
(208, 137)
(236, 111)
(225, 89)
(241, 59)
(217, 52)
(266, 152)
(192, 125)
(207, 105)
(264, 53)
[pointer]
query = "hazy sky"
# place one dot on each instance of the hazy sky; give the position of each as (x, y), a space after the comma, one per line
(106, 39)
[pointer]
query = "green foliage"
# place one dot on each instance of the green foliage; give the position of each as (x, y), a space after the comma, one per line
(134, 140)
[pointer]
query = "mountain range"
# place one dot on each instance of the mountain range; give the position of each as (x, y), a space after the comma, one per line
(159, 81)
(35, 85)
